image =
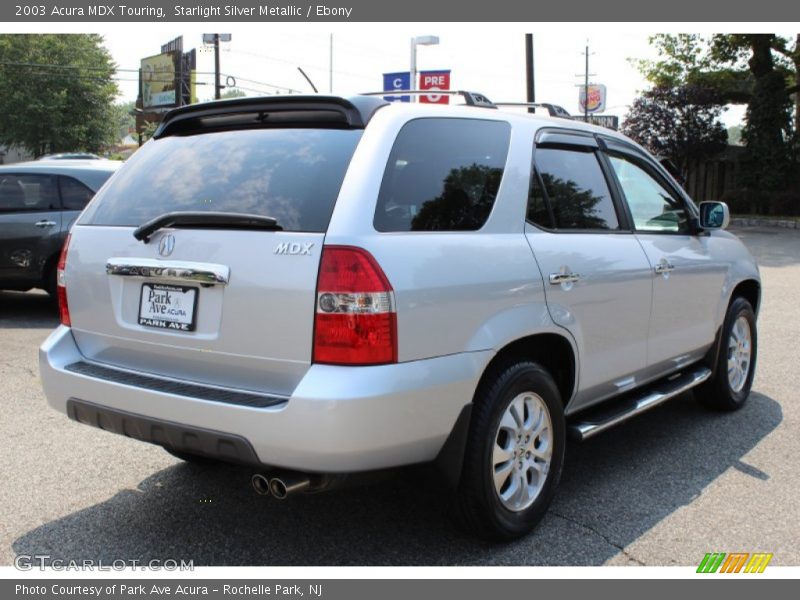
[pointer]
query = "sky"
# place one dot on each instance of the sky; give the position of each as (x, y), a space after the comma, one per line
(487, 58)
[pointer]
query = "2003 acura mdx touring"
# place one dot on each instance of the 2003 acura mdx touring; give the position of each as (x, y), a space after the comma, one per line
(318, 286)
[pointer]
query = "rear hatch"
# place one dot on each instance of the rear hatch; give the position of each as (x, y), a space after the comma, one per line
(228, 303)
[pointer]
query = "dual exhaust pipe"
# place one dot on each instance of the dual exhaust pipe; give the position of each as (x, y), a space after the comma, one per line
(280, 485)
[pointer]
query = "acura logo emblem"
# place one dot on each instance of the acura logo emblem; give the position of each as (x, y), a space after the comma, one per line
(166, 245)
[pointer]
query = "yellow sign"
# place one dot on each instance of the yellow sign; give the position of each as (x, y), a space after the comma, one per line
(158, 81)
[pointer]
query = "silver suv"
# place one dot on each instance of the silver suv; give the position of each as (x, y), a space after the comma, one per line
(319, 286)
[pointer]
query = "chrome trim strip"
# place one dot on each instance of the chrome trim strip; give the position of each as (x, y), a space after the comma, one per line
(666, 391)
(191, 272)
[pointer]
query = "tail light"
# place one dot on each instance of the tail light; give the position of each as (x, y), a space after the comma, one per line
(61, 287)
(355, 321)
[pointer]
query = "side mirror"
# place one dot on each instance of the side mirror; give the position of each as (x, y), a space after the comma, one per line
(714, 215)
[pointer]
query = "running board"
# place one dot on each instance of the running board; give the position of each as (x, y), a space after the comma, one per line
(637, 402)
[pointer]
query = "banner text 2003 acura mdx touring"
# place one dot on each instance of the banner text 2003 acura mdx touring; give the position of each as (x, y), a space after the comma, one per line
(318, 286)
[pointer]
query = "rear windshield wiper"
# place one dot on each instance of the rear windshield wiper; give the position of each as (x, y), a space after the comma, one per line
(205, 220)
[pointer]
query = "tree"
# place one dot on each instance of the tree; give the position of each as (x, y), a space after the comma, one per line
(680, 58)
(124, 118)
(679, 123)
(233, 93)
(56, 92)
(768, 132)
(760, 70)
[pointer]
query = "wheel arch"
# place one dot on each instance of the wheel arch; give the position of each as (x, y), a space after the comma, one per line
(554, 352)
(750, 290)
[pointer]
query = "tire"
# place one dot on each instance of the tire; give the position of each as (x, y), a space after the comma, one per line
(729, 391)
(195, 459)
(479, 507)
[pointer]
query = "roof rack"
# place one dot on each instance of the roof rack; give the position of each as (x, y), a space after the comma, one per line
(554, 110)
(476, 99)
(470, 98)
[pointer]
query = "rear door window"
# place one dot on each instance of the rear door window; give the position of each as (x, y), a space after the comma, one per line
(442, 175)
(27, 193)
(293, 175)
(573, 193)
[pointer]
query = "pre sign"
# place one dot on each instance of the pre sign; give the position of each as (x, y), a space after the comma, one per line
(434, 80)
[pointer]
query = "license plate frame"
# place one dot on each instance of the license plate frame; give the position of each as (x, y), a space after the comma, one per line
(168, 322)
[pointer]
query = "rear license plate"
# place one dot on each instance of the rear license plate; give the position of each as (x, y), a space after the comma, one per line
(168, 306)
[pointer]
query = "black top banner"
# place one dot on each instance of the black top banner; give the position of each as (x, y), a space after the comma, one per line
(744, 11)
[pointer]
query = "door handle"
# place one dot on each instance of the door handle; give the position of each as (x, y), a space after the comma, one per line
(664, 267)
(559, 278)
(43, 224)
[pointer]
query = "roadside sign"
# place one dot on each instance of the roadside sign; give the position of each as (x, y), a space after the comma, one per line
(397, 81)
(434, 80)
(608, 121)
(596, 102)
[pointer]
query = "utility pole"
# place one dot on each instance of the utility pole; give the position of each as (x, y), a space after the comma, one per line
(217, 86)
(215, 39)
(529, 71)
(585, 85)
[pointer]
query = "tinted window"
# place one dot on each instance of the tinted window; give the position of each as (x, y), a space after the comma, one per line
(652, 207)
(22, 193)
(576, 189)
(293, 175)
(74, 195)
(538, 209)
(442, 175)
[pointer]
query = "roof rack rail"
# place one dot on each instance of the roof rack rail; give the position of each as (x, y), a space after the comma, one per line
(554, 110)
(470, 98)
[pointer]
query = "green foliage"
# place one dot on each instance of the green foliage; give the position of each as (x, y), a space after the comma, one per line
(735, 135)
(232, 93)
(56, 92)
(680, 123)
(124, 119)
(767, 135)
(680, 57)
(759, 70)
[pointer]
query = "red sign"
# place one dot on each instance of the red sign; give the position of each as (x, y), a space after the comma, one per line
(434, 80)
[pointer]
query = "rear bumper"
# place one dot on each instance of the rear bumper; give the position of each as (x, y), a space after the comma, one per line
(338, 420)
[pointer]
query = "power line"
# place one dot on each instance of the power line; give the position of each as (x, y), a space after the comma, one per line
(80, 67)
(262, 83)
(118, 70)
(294, 64)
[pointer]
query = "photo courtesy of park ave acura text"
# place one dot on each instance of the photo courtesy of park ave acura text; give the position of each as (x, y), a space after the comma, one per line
(288, 286)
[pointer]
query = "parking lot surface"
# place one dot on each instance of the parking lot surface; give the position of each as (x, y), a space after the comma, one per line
(662, 489)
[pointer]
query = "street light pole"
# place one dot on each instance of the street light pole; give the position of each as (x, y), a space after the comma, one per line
(529, 71)
(422, 40)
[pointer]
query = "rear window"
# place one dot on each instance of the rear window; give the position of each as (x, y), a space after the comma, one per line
(293, 175)
(442, 175)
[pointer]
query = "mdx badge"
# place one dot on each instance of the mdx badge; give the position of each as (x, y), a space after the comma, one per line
(294, 248)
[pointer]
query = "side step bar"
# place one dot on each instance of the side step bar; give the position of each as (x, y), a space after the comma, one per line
(595, 421)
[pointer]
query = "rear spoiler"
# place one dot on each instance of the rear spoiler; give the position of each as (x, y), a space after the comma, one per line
(293, 111)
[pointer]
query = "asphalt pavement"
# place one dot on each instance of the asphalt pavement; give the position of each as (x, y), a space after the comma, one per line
(662, 489)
